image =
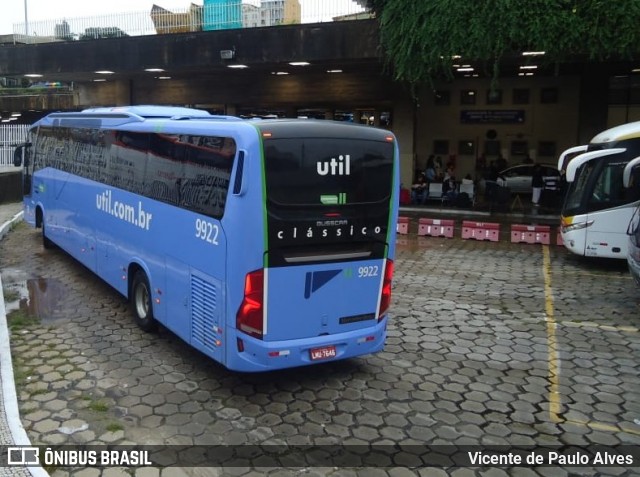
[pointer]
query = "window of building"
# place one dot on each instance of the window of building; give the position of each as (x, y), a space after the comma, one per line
(466, 147)
(441, 146)
(468, 96)
(442, 98)
(521, 96)
(519, 148)
(494, 96)
(547, 149)
(549, 95)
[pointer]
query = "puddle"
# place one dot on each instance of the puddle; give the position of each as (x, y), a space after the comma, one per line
(37, 297)
(413, 243)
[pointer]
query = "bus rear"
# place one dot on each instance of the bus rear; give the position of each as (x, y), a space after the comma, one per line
(320, 288)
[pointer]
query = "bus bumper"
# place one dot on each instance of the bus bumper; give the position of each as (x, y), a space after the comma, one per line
(258, 355)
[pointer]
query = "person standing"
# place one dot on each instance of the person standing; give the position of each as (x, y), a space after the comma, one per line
(537, 183)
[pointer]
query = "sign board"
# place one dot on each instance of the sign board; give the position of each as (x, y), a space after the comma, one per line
(492, 116)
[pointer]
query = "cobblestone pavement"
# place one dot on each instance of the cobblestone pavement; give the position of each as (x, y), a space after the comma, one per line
(489, 344)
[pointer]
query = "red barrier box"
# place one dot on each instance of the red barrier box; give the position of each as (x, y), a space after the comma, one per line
(435, 228)
(521, 233)
(480, 230)
(403, 225)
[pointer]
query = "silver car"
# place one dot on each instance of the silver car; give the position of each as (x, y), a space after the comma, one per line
(518, 178)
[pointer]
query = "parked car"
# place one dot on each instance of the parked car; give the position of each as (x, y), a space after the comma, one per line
(518, 178)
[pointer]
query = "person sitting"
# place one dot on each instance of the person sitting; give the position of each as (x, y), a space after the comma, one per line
(450, 188)
(420, 190)
(430, 171)
(467, 179)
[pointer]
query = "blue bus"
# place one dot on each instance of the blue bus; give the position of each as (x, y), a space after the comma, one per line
(264, 244)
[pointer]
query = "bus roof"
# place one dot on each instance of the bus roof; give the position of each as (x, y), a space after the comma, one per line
(618, 133)
(149, 111)
(121, 115)
(143, 117)
(274, 128)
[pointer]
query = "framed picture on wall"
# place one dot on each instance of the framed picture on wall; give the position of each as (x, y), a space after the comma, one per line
(440, 147)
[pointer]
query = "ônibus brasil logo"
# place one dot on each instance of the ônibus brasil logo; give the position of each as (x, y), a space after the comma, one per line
(335, 167)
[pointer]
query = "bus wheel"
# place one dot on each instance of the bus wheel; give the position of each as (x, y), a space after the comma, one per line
(46, 243)
(141, 302)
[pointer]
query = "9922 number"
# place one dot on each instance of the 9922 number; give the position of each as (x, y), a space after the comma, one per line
(370, 271)
(207, 231)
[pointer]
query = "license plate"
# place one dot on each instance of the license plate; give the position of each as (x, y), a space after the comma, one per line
(323, 353)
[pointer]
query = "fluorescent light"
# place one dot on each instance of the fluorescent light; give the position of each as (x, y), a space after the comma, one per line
(104, 72)
(635, 70)
(16, 115)
(464, 69)
(334, 71)
(164, 77)
(99, 80)
(529, 67)
(237, 66)
(279, 73)
(533, 53)
(299, 63)
(154, 70)
(33, 75)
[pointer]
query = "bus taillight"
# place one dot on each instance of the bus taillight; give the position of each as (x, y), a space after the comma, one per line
(385, 295)
(250, 313)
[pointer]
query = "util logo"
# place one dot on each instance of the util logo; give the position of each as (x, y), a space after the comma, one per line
(335, 167)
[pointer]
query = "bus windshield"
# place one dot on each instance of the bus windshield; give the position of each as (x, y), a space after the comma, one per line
(597, 186)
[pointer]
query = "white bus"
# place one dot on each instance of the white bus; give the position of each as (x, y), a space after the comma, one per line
(598, 206)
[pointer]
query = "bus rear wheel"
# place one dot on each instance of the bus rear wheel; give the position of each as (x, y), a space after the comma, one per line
(141, 302)
(46, 243)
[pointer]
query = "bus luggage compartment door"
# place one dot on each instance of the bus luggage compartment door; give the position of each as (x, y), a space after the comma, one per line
(314, 300)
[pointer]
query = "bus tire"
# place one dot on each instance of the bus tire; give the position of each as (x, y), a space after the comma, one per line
(141, 304)
(46, 243)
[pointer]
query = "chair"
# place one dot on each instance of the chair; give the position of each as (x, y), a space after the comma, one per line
(470, 190)
(435, 191)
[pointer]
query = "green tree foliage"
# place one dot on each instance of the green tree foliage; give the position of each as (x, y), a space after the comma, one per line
(420, 37)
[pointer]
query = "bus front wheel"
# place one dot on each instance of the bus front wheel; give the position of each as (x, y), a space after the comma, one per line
(141, 302)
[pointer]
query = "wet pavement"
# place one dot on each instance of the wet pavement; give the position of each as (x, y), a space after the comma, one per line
(489, 344)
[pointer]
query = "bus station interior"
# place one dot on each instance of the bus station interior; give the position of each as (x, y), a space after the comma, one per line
(336, 70)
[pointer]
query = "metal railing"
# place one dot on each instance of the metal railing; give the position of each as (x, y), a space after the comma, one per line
(231, 14)
(10, 136)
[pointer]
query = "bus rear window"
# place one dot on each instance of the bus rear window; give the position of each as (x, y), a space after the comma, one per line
(328, 171)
